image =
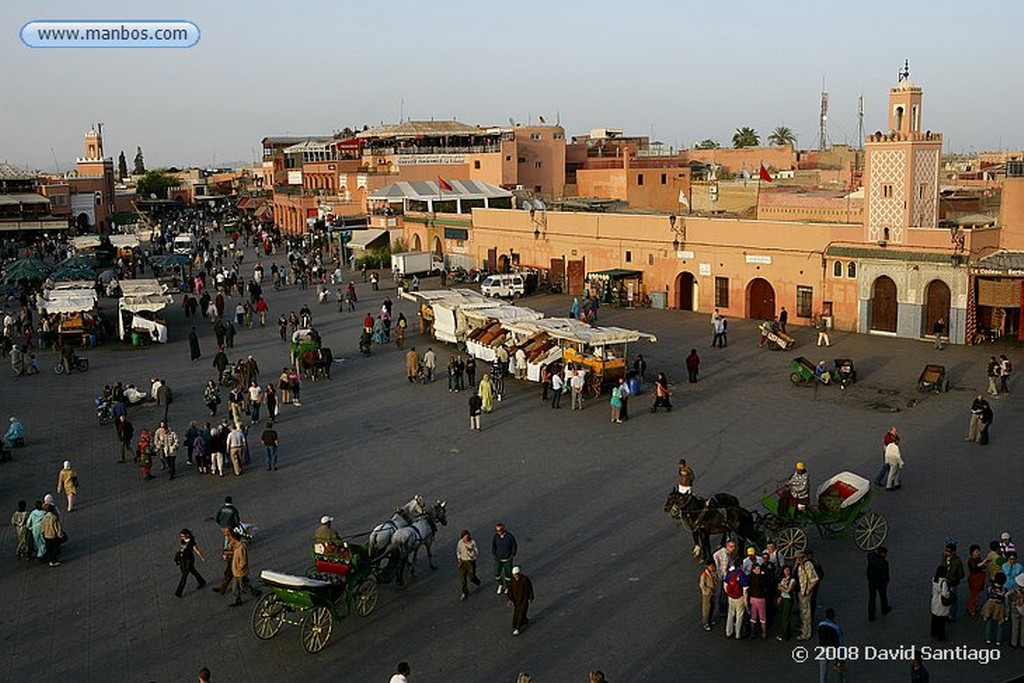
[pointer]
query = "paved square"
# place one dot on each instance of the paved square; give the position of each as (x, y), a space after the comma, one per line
(615, 582)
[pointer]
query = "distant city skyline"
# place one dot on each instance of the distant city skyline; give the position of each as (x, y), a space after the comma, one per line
(678, 72)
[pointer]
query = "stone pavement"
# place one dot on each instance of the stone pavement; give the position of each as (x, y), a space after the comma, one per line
(615, 582)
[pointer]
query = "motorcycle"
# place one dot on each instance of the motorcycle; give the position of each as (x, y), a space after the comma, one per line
(75, 363)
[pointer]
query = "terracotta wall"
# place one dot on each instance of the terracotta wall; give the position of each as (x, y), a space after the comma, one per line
(749, 158)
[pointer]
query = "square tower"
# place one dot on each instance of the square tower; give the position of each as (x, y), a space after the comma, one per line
(901, 174)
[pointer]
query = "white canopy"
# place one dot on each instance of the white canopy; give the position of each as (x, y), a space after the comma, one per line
(67, 300)
(361, 239)
(125, 241)
(569, 329)
(145, 302)
(85, 242)
(142, 286)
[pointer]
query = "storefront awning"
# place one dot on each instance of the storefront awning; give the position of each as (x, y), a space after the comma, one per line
(364, 239)
(615, 274)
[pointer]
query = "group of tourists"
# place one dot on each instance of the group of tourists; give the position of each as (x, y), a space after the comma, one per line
(509, 579)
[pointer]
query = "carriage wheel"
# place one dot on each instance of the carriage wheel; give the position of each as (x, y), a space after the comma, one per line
(316, 629)
(267, 617)
(774, 346)
(796, 378)
(791, 541)
(83, 364)
(870, 530)
(366, 596)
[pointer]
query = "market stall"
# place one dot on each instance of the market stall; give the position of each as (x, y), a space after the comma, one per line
(616, 287)
(138, 311)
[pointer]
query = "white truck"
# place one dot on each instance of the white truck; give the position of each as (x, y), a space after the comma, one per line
(412, 263)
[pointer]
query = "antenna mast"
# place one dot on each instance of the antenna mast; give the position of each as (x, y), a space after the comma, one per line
(823, 118)
(860, 122)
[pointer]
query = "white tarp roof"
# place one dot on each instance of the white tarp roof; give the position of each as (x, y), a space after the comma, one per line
(141, 286)
(363, 238)
(145, 302)
(448, 296)
(85, 242)
(122, 241)
(502, 314)
(69, 293)
(72, 284)
(67, 300)
(573, 330)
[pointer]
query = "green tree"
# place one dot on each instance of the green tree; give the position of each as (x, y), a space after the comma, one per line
(140, 162)
(122, 167)
(708, 143)
(155, 183)
(782, 135)
(746, 137)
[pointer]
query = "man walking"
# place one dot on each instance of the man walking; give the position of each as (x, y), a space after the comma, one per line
(269, 440)
(236, 448)
(992, 371)
(878, 581)
(466, 553)
(412, 364)
(125, 432)
(520, 595)
(954, 575)
(430, 363)
(556, 389)
(476, 405)
(822, 326)
(938, 329)
(503, 550)
(783, 319)
(1005, 370)
(830, 636)
(974, 427)
(807, 579)
(692, 366)
(576, 384)
(240, 570)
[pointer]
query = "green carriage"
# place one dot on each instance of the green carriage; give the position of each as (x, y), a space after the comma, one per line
(343, 581)
(842, 507)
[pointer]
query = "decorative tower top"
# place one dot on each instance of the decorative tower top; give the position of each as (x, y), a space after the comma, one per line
(904, 74)
(93, 145)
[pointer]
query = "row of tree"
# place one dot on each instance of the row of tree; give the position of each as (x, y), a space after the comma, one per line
(122, 164)
(748, 137)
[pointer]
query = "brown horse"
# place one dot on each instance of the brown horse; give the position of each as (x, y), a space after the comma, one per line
(720, 514)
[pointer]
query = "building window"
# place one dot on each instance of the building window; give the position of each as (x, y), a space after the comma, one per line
(558, 136)
(629, 257)
(535, 136)
(920, 190)
(664, 179)
(536, 164)
(722, 292)
(650, 259)
(508, 157)
(885, 234)
(522, 160)
(476, 164)
(851, 270)
(639, 178)
(887, 191)
(804, 301)
(837, 269)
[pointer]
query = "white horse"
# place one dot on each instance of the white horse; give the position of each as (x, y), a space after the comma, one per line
(380, 537)
(407, 540)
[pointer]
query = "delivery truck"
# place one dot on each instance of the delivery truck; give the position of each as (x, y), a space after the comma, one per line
(411, 263)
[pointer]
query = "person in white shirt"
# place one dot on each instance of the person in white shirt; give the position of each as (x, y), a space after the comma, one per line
(255, 401)
(403, 673)
(556, 389)
(520, 364)
(576, 384)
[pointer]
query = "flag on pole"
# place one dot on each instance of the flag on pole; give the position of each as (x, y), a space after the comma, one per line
(443, 184)
(682, 199)
(765, 175)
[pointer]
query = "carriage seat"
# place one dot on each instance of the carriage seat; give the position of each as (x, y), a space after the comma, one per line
(290, 580)
(332, 566)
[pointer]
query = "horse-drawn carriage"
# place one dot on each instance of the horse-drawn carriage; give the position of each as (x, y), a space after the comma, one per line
(842, 507)
(315, 601)
(345, 577)
(309, 354)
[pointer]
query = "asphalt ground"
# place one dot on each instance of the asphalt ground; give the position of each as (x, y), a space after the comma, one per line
(616, 584)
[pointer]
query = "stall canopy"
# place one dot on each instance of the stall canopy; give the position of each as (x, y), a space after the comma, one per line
(85, 242)
(368, 239)
(615, 274)
(67, 300)
(144, 295)
(569, 329)
(124, 241)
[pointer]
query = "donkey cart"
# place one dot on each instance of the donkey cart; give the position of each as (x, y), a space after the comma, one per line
(842, 507)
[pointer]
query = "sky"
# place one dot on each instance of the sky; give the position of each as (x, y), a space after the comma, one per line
(678, 70)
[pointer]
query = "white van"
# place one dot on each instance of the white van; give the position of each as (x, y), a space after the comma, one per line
(184, 243)
(508, 285)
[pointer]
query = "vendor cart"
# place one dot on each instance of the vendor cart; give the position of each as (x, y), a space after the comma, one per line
(933, 378)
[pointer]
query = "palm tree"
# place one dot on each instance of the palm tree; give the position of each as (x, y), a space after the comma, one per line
(782, 135)
(707, 143)
(745, 137)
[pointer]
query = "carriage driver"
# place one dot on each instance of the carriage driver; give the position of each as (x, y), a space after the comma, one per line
(686, 477)
(797, 492)
(326, 541)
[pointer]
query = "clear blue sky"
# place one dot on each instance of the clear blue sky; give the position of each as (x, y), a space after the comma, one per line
(681, 70)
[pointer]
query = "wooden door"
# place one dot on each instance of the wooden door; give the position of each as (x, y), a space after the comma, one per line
(760, 300)
(492, 260)
(884, 310)
(576, 276)
(937, 305)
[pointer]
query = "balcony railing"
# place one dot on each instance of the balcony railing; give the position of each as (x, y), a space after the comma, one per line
(466, 149)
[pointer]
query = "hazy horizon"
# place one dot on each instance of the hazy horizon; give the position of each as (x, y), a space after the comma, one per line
(676, 71)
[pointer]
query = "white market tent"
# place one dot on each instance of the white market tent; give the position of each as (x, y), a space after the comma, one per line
(145, 295)
(126, 241)
(67, 300)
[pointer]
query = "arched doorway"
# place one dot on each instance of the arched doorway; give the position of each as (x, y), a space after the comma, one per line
(437, 246)
(503, 263)
(82, 221)
(884, 310)
(686, 292)
(417, 243)
(760, 299)
(936, 305)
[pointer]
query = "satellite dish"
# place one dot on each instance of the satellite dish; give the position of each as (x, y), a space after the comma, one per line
(511, 121)
(542, 119)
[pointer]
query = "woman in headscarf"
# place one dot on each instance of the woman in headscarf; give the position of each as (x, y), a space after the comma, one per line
(144, 453)
(67, 483)
(34, 522)
(486, 394)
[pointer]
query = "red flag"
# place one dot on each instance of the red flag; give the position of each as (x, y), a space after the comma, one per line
(765, 175)
(444, 185)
